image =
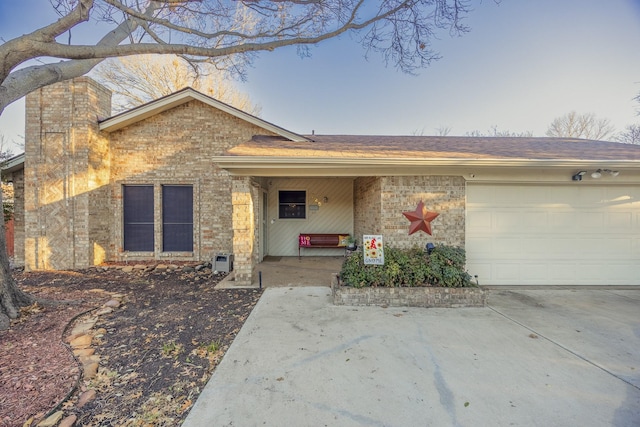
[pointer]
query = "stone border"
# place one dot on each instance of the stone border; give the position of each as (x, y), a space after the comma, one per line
(80, 343)
(429, 297)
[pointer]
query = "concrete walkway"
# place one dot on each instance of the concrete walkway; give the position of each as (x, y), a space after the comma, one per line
(533, 358)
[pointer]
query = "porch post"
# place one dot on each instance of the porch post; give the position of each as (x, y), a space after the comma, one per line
(243, 229)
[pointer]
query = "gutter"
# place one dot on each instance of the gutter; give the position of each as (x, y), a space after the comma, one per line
(259, 162)
(13, 164)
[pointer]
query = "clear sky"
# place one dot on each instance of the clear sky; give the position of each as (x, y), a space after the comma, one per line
(523, 64)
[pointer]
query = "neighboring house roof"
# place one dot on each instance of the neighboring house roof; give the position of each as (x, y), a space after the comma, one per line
(13, 164)
(181, 97)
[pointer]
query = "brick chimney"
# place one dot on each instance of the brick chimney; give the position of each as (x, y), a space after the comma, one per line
(66, 175)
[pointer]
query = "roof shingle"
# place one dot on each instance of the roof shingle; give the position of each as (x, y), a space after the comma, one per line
(444, 147)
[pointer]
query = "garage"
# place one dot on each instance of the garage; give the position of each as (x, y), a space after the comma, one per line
(553, 234)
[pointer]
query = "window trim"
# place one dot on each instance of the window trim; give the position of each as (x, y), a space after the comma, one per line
(157, 252)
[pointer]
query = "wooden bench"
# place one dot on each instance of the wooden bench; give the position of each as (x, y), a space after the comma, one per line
(322, 240)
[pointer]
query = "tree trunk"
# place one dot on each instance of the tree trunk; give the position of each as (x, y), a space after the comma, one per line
(11, 297)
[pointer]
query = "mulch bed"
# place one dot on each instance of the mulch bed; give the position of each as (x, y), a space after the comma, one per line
(160, 347)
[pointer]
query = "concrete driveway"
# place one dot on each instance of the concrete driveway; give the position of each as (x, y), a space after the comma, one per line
(537, 357)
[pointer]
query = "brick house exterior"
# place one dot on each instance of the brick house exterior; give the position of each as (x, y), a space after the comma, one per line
(98, 188)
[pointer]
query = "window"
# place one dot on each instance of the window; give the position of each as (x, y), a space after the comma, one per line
(138, 217)
(292, 204)
(177, 218)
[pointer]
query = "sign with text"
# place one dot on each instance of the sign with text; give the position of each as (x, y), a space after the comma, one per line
(373, 249)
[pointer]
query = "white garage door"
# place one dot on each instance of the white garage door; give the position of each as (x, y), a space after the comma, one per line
(553, 234)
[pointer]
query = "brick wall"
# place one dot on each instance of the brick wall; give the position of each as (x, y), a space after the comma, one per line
(246, 217)
(367, 207)
(18, 217)
(380, 202)
(61, 136)
(429, 297)
(442, 194)
(175, 147)
(74, 175)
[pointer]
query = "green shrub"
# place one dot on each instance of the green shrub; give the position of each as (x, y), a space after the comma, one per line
(413, 267)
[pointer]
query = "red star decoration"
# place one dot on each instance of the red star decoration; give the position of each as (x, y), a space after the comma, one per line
(420, 219)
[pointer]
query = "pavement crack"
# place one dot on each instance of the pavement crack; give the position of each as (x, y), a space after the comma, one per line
(579, 356)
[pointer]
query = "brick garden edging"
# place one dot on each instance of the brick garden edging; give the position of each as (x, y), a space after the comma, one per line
(431, 297)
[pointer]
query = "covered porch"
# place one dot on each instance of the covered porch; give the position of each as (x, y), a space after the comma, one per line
(280, 271)
(265, 236)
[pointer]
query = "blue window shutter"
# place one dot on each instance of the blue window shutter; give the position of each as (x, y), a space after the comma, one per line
(177, 218)
(138, 218)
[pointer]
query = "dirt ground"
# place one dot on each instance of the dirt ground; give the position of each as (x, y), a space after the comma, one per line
(157, 350)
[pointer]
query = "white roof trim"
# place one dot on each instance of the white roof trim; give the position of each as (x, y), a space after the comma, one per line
(181, 97)
(13, 164)
(230, 162)
(480, 170)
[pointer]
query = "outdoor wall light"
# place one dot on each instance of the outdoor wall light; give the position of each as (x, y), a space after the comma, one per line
(595, 174)
(578, 176)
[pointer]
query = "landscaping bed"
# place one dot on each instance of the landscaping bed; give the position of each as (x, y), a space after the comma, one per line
(157, 348)
(431, 297)
(408, 278)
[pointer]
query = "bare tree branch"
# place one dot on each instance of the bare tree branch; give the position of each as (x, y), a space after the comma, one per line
(137, 80)
(630, 135)
(586, 126)
(225, 33)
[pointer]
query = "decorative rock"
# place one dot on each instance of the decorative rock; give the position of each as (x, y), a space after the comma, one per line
(188, 269)
(161, 267)
(52, 420)
(82, 341)
(86, 397)
(199, 267)
(84, 352)
(69, 421)
(83, 327)
(113, 303)
(103, 311)
(86, 360)
(139, 267)
(117, 296)
(127, 269)
(72, 337)
(90, 370)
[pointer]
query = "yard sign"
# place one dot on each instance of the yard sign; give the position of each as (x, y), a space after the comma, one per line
(373, 249)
